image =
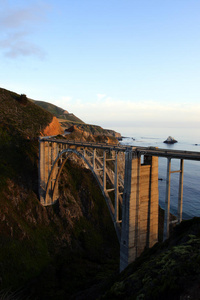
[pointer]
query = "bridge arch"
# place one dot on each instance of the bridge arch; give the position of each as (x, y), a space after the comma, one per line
(51, 193)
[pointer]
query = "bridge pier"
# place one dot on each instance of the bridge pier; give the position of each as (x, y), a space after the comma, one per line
(116, 189)
(167, 196)
(180, 195)
(140, 207)
(48, 166)
(43, 169)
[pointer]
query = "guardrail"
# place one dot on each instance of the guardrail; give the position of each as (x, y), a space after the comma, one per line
(152, 151)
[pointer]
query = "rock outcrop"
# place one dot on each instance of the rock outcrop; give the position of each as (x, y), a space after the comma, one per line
(170, 140)
(53, 128)
(83, 134)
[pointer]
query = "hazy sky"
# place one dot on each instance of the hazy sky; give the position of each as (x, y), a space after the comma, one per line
(115, 63)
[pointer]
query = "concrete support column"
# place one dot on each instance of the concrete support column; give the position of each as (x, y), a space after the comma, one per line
(56, 168)
(153, 203)
(41, 171)
(147, 204)
(137, 212)
(43, 168)
(94, 158)
(180, 196)
(167, 201)
(128, 243)
(140, 207)
(116, 189)
(52, 193)
(49, 165)
(61, 149)
(104, 170)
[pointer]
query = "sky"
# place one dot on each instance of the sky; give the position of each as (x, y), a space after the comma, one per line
(114, 63)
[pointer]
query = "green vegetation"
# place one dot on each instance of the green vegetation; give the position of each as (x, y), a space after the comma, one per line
(97, 130)
(93, 129)
(166, 271)
(59, 112)
(53, 109)
(17, 119)
(23, 260)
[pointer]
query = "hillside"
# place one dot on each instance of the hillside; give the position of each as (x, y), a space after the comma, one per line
(22, 117)
(42, 248)
(67, 120)
(59, 112)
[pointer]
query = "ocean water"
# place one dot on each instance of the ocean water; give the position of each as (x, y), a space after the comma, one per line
(188, 139)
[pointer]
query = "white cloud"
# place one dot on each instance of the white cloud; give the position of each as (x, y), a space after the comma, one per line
(16, 18)
(119, 112)
(17, 26)
(100, 96)
(16, 45)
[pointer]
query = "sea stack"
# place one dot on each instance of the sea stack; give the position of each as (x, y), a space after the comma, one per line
(170, 140)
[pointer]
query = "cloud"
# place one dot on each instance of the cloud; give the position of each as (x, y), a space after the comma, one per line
(16, 45)
(15, 18)
(100, 96)
(116, 112)
(17, 26)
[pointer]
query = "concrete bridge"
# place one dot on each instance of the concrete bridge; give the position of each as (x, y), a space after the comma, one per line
(128, 178)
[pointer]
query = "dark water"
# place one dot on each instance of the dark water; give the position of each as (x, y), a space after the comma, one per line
(191, 182)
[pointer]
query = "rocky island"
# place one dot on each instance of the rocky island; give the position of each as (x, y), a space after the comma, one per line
(170, 140)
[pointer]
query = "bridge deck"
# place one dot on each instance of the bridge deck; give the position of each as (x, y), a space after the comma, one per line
(181, 154)
(152, 151)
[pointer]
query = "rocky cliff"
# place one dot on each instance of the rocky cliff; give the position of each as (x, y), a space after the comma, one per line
(92, 130)
(53, 128)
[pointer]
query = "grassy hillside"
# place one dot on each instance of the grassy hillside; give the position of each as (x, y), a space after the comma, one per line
(55, 110)
(21, 122)
(20, 118)
(59, 112)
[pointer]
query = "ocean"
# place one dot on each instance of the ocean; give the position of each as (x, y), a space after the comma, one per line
(188, 139)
